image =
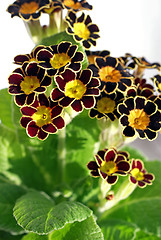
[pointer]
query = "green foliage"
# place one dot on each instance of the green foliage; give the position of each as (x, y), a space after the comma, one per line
(38, 213)
(142, 209)
(9, 193)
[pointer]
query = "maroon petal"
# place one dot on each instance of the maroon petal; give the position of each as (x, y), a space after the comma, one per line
(32, 69)
(92, 92)
(93, 28)
(104, 175)
(28, 111)
(88, 101)
(46, 81)
(60, 82)
(49, 128)
(56, 111)
(66, 101)
(123, 166)
(14, 89)
(56, 94)
(72, 51)
(77, 106)
(101, 153)
(19, 59)
(78, 57)
(133, 180)
(43, 100)
(42, 135)
(68, 75)
(92, 165)
(148, 176)
(139, 165)
(95, 173)
(110, 155)
(15, 78)
(141, 184)
(119, 158)
(112, 179)
(86, 76)
(30, 98)
(40, 89)
(59, 122)
(94, 83)
(20, 99)
(24, 121)
(44, 55)
(98, 160)
(32, 129)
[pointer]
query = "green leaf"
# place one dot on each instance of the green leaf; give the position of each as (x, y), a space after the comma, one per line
(117, 230)
(36, 212)
(5, 113)
(63, 36)
(142, 208)
(34, 236)
(120, 230)
(85, 230)
(8, 195)
(141, 235)
(82, 138)
(8, 236)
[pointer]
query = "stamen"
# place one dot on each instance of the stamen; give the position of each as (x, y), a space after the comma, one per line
(75, 89)
(81, 30)
(109, 74)
(29, 8)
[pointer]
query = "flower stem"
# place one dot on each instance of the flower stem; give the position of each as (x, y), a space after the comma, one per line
(61, 154)
(34, 30)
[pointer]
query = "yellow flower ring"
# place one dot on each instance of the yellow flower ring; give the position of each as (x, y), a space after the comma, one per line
(106, 106)
(111, 74)
(57, 57)
(42, 118)
(28, 10)
(140, 116)
(138, 174)
(109, 164)
(27, 82)
(76, 5)
(76, 89)
(82, 29)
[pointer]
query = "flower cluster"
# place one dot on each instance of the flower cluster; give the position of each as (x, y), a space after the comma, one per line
(110, 163)
(54, 78)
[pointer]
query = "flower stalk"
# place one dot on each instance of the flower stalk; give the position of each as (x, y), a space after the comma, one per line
(61, 154)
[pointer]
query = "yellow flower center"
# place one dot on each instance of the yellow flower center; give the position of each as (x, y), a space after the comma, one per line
(72, 4)
(81, 30)
(29, 8)
(137, 174)
(159, 86)
(108, 167)
(105, 105)
(138, 119)
(42, 116)
(59, 60)
(29, 84)
(109, 74)
(75, 89)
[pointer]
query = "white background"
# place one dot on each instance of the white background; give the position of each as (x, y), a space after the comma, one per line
(125, 26)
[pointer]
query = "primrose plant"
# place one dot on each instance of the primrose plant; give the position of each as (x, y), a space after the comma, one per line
(67, 171)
